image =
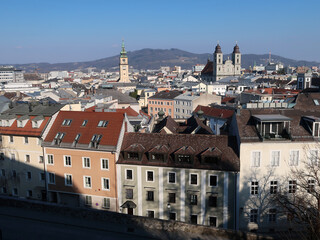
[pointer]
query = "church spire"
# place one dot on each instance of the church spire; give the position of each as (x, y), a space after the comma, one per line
(123, 52)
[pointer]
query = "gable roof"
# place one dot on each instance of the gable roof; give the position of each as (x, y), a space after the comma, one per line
(110, 133)
(215, 111)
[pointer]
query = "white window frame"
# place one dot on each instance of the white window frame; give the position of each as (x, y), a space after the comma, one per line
(104, 201)
(313, 156)
(50, 157)
(84, 182)
(65, 179)
(102, 184)
(26, 158)
(197, 179)
(213, 175)
(65, 160)
(107, 160)
(275, 160)
(129, 169)
(294, 161)
(83, 162)
(255, 162)
(254, 187)
(86, 203)
(153, 176)
(175, 178)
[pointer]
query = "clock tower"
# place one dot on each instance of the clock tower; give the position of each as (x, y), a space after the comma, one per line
(123, 65)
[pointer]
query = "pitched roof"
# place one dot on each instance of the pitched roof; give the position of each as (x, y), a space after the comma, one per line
(167, 122)
(166, 95)
(27, 130)
(208, 69)
(184, 143)
(110, 133)
(215, 111)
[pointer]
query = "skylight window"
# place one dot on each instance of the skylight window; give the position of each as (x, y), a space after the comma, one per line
(84, 123)
(76, 139)
(58, 138)
(316, 102)
(66, 122)
(102, 123)
(95, 140)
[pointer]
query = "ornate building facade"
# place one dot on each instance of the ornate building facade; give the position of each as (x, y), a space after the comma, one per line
(124, 66)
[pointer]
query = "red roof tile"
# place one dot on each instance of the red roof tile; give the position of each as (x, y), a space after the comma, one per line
(129, 111)
(110, 133)
(215, 112)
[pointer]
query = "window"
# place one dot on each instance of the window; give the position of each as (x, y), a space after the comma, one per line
(184, 158)
(194, 219)
(275, 158)
(67, 161)
(27, 159)
(313, 157)
(172, 177)
(26, 140)
(86, 162)
(193, 199)
(213, 221)
(52, 178)
(15, 192)
(294, 158)
(4, 190)
(273, 187)
(213, 180)
(157, 157)
(292, 186)
(14, 173)
(311, 185)
(29, 193)
(11, 139)
(2, 156)
(28, 175)
(105, 184)
(58, 138)
(13, 156)
(213, 200)
(133, 155)
(254, 215)
(193, 179)
(172, 216)
(106, 203)
(66, 122)
(40, 159)
(76, 139)
(129, 175)
(3, 172)
(172, 198)
(84, 123)
(149, 176)
(129, 193)
(255, 159)
(104, 164)
(150, 195)
(50, 159)
(272, 215)
(254, 188)
(150, 214)
(42, 176)
(102, 123)
(87, 181)
(88, 200)
(68, 179)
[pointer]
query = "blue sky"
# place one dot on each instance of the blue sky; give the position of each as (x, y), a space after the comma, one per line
(78, 30)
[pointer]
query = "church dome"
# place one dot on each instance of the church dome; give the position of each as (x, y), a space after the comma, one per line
(218, 49)
(236, 49)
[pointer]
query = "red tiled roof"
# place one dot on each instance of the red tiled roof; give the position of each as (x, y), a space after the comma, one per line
(129, 111)
(208, 69)
(227, 99)
(27, 130)
(215, 112)
(110, 133)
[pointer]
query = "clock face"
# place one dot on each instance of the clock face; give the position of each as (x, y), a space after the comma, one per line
(123, 60)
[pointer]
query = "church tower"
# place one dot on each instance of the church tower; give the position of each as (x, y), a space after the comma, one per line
(123, 66)
(217, 63)
(236, 59)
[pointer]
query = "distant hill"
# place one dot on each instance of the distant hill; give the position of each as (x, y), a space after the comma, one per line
(155, 58)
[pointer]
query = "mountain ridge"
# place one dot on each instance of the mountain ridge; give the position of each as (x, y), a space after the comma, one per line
(149, 58)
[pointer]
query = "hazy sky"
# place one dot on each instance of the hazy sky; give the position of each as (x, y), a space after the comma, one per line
(82, 30)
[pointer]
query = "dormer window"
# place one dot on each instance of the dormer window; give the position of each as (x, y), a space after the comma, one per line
(76, 139)
(157, 157)
(95, 140)
(185, 154)
(103, 123)
(311, 124)
(182, 158)
(58, 138)
(84, 123)
(133, 155)
(20, 125)
(66, 122)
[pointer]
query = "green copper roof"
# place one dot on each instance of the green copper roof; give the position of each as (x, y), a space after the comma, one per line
(123, 52)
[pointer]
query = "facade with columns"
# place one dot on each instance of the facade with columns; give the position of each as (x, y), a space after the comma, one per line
(229, 67)
(124, 66)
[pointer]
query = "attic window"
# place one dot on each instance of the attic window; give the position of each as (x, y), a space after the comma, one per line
(211, 159)
(133, 155)
(84, 123)
(66, 122)
(20, 124)
(157, 157)
(103, 123)
(95, 140)
(76, 139)
(316, 102)
(58, 138)
(183, 158)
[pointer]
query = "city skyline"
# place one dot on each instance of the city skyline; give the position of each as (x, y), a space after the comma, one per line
(76, 31)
